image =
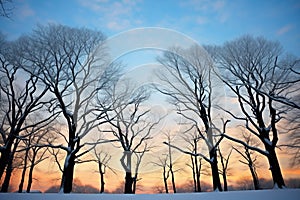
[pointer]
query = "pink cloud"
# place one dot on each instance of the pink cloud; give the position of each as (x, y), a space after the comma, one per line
(284, 29)
(26, 11)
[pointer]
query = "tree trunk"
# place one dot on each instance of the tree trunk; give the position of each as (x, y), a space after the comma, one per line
(215, 171)
(9, 168)
(128, 177)
(197, 168)
(173, 179)
(165, 180)
(5, 154)
(194, 173)
(68, 173)
(128, 183)
(275, 168)
(102, 183)
(134, 183)
(225, 181)
(254, 177)
(30, 174)
(198, 171)
(23, 172)
(6, 181)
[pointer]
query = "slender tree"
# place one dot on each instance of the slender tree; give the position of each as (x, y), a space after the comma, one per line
(249, 160)
(102, 160)
(163, 163)
(139, 157)
(188, 80)
(131, 126)
(196, 161)
(167, 163)
(224, 167)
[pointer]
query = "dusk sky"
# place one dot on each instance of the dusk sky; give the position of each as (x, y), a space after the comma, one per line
(208, 22)
(205, 21)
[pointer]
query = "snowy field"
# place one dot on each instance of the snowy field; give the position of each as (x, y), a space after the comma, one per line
(287, 194)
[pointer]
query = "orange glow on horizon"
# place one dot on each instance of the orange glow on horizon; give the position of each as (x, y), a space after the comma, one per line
(87, 175)
(47, 174)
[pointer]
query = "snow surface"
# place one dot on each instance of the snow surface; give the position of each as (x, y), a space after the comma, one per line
(287, 194)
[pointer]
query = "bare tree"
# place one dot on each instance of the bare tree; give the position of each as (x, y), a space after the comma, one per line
(33, 141)
(163, 163)
(72, 63)
(20, 99)
(102, 160)
(250, 161)
(188, 82)
(196, 161)
(139, 157)
(167, 163)
(250, 65)
(171, 163)
(224, 167)
(131, 126)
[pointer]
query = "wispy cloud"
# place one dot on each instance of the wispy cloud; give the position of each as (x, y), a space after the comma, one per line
(201, 20)
(284, 29)
(214, 8)
(25, 11)
(204, 5)
(218, 5)
(117, 15)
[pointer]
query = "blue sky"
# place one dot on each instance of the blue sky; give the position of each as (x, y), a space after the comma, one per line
(209, 22)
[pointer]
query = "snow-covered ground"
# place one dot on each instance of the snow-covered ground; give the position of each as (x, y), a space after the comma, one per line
(286, 194)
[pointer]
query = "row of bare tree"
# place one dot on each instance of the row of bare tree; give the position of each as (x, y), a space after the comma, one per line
(258, 79)
(59, 88)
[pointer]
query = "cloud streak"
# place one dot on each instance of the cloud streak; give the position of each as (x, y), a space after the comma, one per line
(211, 9)
(116, 15)
(283, 30)
(25, 11)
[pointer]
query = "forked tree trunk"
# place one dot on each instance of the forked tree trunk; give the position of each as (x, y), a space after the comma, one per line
(194, 173)
(196, 168)
(252, 170)
(165, 177)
